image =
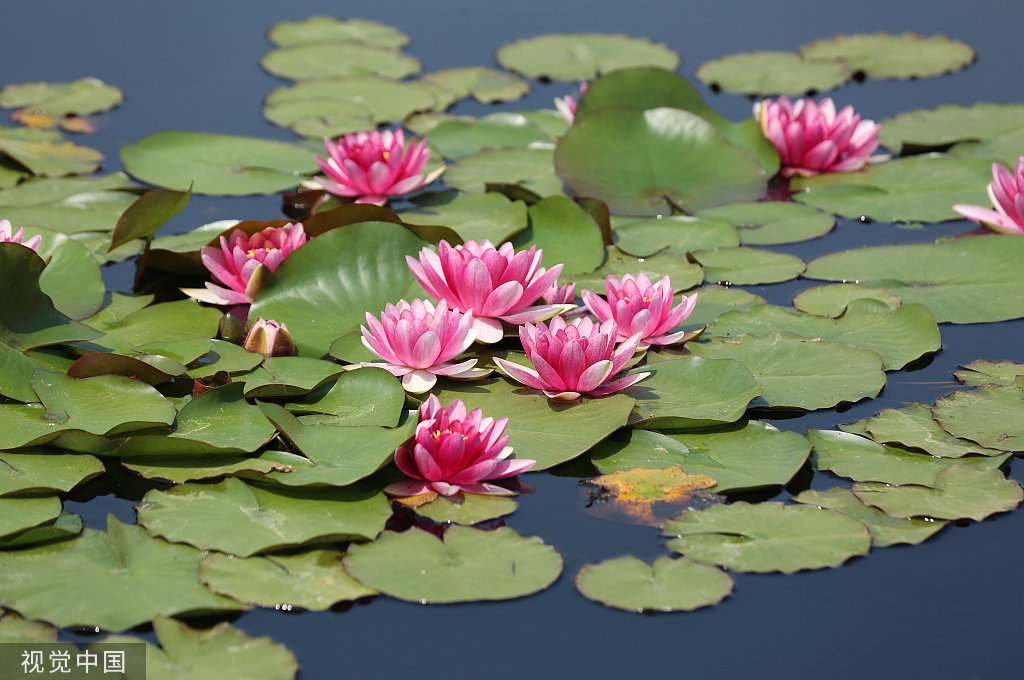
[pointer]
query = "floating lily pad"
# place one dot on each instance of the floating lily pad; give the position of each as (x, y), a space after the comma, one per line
(324, 290)
(984, 372)
(13, 628)
(546, 431)
(831, 301)
(913, 426)
(19, 514)
(42, 202)
(692, 392)
(748, 266)
(457, 138)
(945, 125)
(192, 467)
(768, 537)
(667, 585)
(899, 335)
(367, 397)
(486, 85)
(886, 55)
(713, 301)
(466, 565)
(65, 526)
(989, 415)
(50, 158)
(330, 29)
(470, 509)
(772, 73)
(475, 217)
(242, 519)
(797, 372)
(963, 281)
(312, 580)
(223, 165)
(770, 223)
(566, 233)
(1003, 148)
(288, 376)
(913, 189)
(646, 496)
(885, 530)
(644, 162)
(960, 492)
(72, 278)
(114, 579)
(678, 233)
(859, 458)
(39, 471)
(104, 405)
(224, 356)
(313, 60)
(147, 214)
(531, 169)
(82, 97)
(683, 273)
(582, 56)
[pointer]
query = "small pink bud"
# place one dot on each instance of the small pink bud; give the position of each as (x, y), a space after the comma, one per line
(269, 338)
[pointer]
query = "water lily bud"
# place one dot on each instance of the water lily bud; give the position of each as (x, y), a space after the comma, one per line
(269, 338)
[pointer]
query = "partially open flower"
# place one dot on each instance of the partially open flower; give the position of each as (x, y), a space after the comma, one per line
(573, 358)
(497, 284)
(417, 340)
(567, 105)
(638, 306)
(1006, 190)
(243, 263)
(269, 338)
(370, 166)
(453, 451)
(7, 235)
(812, 138)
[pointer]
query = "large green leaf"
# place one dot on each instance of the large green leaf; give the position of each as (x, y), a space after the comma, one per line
(72, 277)
(223, 165)
(474, 217)
(147, 214)
(487, 85)
(773, 222)
(989, 415)
(466, 565)
(886, 55)
(103, 405)
(566, 233)
(885, 530)
(19, 514)
(367, 397)
(470, 509)
(457, 138)
(960, 492)
(914, 427)
(766, 537)
(747, 266)
(242, 519)
(288, 376)
(162, 324)
(832, 300)
(312, 60)
(40, 470)
(324, 290)
(643, 162)
(683, 273)
(983, 372)
(680, 234)
(944, 125)
(713, 301)
(115, 579)
(582, 56)
(667, 585)
(327, 29)
(531, 169)
(82, 96)
(963, 281)
(771, 73)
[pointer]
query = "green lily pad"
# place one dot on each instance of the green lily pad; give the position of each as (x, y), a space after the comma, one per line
(582, 56)
(683, 273)
(313, 60)
(738, 456)
(114, 579)
(288, 376)
(48, 157)
(83, 97)
(471, 509)
(324, 290)
(475, 217)
(19, 514)
(147, 214)
(330, 29)
(989, 415)
(767, 537)
(667, 585)
(859, 458)
(679, 234)
(692, 392)
(961, 281)
(945, 125)
(885, 530)
(531, 169)
(486, 85)
(960, 492)
(713, 301)
(566, 233)
(72, 277)
(913, 189)
(198, 466)
(831, 301)
(644, 162)
(28, 424)
(898, 335)
(224, 356)
(456, 138)
(1002, 148)
(234, 517)
(984, 372)
(466, 565)
(74, 214)
(222, 165)
(65, 526)
(367, 397)
(912, 426)
(43, 191)
(797, 372)
(748, 266)
(312, 580)
(886, 55)
(773, 222)
(546, 431)
(40, 470)
(13, 628)
(772, 73)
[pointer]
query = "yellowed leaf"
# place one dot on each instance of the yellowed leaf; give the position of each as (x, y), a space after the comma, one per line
(644, 496)
(39, 120)
(416, 501)
(76, 124)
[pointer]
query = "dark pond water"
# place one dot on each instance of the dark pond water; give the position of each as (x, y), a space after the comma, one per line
(949, 608)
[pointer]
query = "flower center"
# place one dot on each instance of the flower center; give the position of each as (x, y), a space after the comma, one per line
(252, 252)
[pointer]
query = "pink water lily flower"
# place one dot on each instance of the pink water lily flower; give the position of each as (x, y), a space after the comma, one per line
(243, 263)
(1006, 191)
(638, 306)
(7, 235)
(573, 358)
(567, 105)
(370, 166)
(453, 451)
(497, 284)
(417, 340)
(812, 138)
